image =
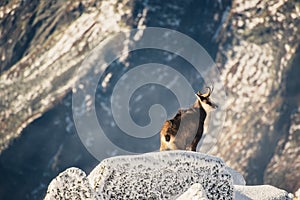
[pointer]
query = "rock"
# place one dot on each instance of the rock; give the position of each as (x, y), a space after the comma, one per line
(162, 175)
(55, 44)
(238, 179)
(258, 69)
(297, 193)
(159, 175)
(70, 184)
(283, 169)
(195, 192)
(259, 192)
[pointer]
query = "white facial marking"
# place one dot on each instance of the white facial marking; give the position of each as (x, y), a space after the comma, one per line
(204, 105)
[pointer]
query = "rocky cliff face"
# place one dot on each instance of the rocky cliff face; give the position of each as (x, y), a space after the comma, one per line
(256, 57)
(254, 44)
(42, 52)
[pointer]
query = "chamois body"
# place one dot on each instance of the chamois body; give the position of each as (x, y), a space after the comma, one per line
(185, 130)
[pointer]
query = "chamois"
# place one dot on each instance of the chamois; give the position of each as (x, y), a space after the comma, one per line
(184, 131)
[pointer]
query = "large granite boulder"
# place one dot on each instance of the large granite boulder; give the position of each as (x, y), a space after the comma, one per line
(159, 175)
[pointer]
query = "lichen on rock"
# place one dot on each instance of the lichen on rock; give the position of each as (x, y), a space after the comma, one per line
(162, 175)
(159, 175)
(70, 184)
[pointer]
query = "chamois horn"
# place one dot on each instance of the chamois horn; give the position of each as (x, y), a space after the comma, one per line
(209, 91)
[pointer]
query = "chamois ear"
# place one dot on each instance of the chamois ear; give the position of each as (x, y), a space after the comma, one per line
(178, 115)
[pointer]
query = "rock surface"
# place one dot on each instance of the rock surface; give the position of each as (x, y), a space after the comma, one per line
(238, 179)
(282, 167)
(162, 175)
(259, 192)
(258, 60)
(195, 192)
(38, 81)
(71, 184)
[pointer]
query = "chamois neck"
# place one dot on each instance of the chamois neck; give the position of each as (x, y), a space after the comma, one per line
(198, 105)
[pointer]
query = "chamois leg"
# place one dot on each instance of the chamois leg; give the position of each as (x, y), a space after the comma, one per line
(193, 145)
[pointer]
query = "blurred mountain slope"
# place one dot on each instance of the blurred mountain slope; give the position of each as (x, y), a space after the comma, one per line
(40, 54)
(257, 52)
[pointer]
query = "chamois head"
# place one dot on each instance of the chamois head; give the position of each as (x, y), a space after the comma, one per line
(205, 101)
(191, 123)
